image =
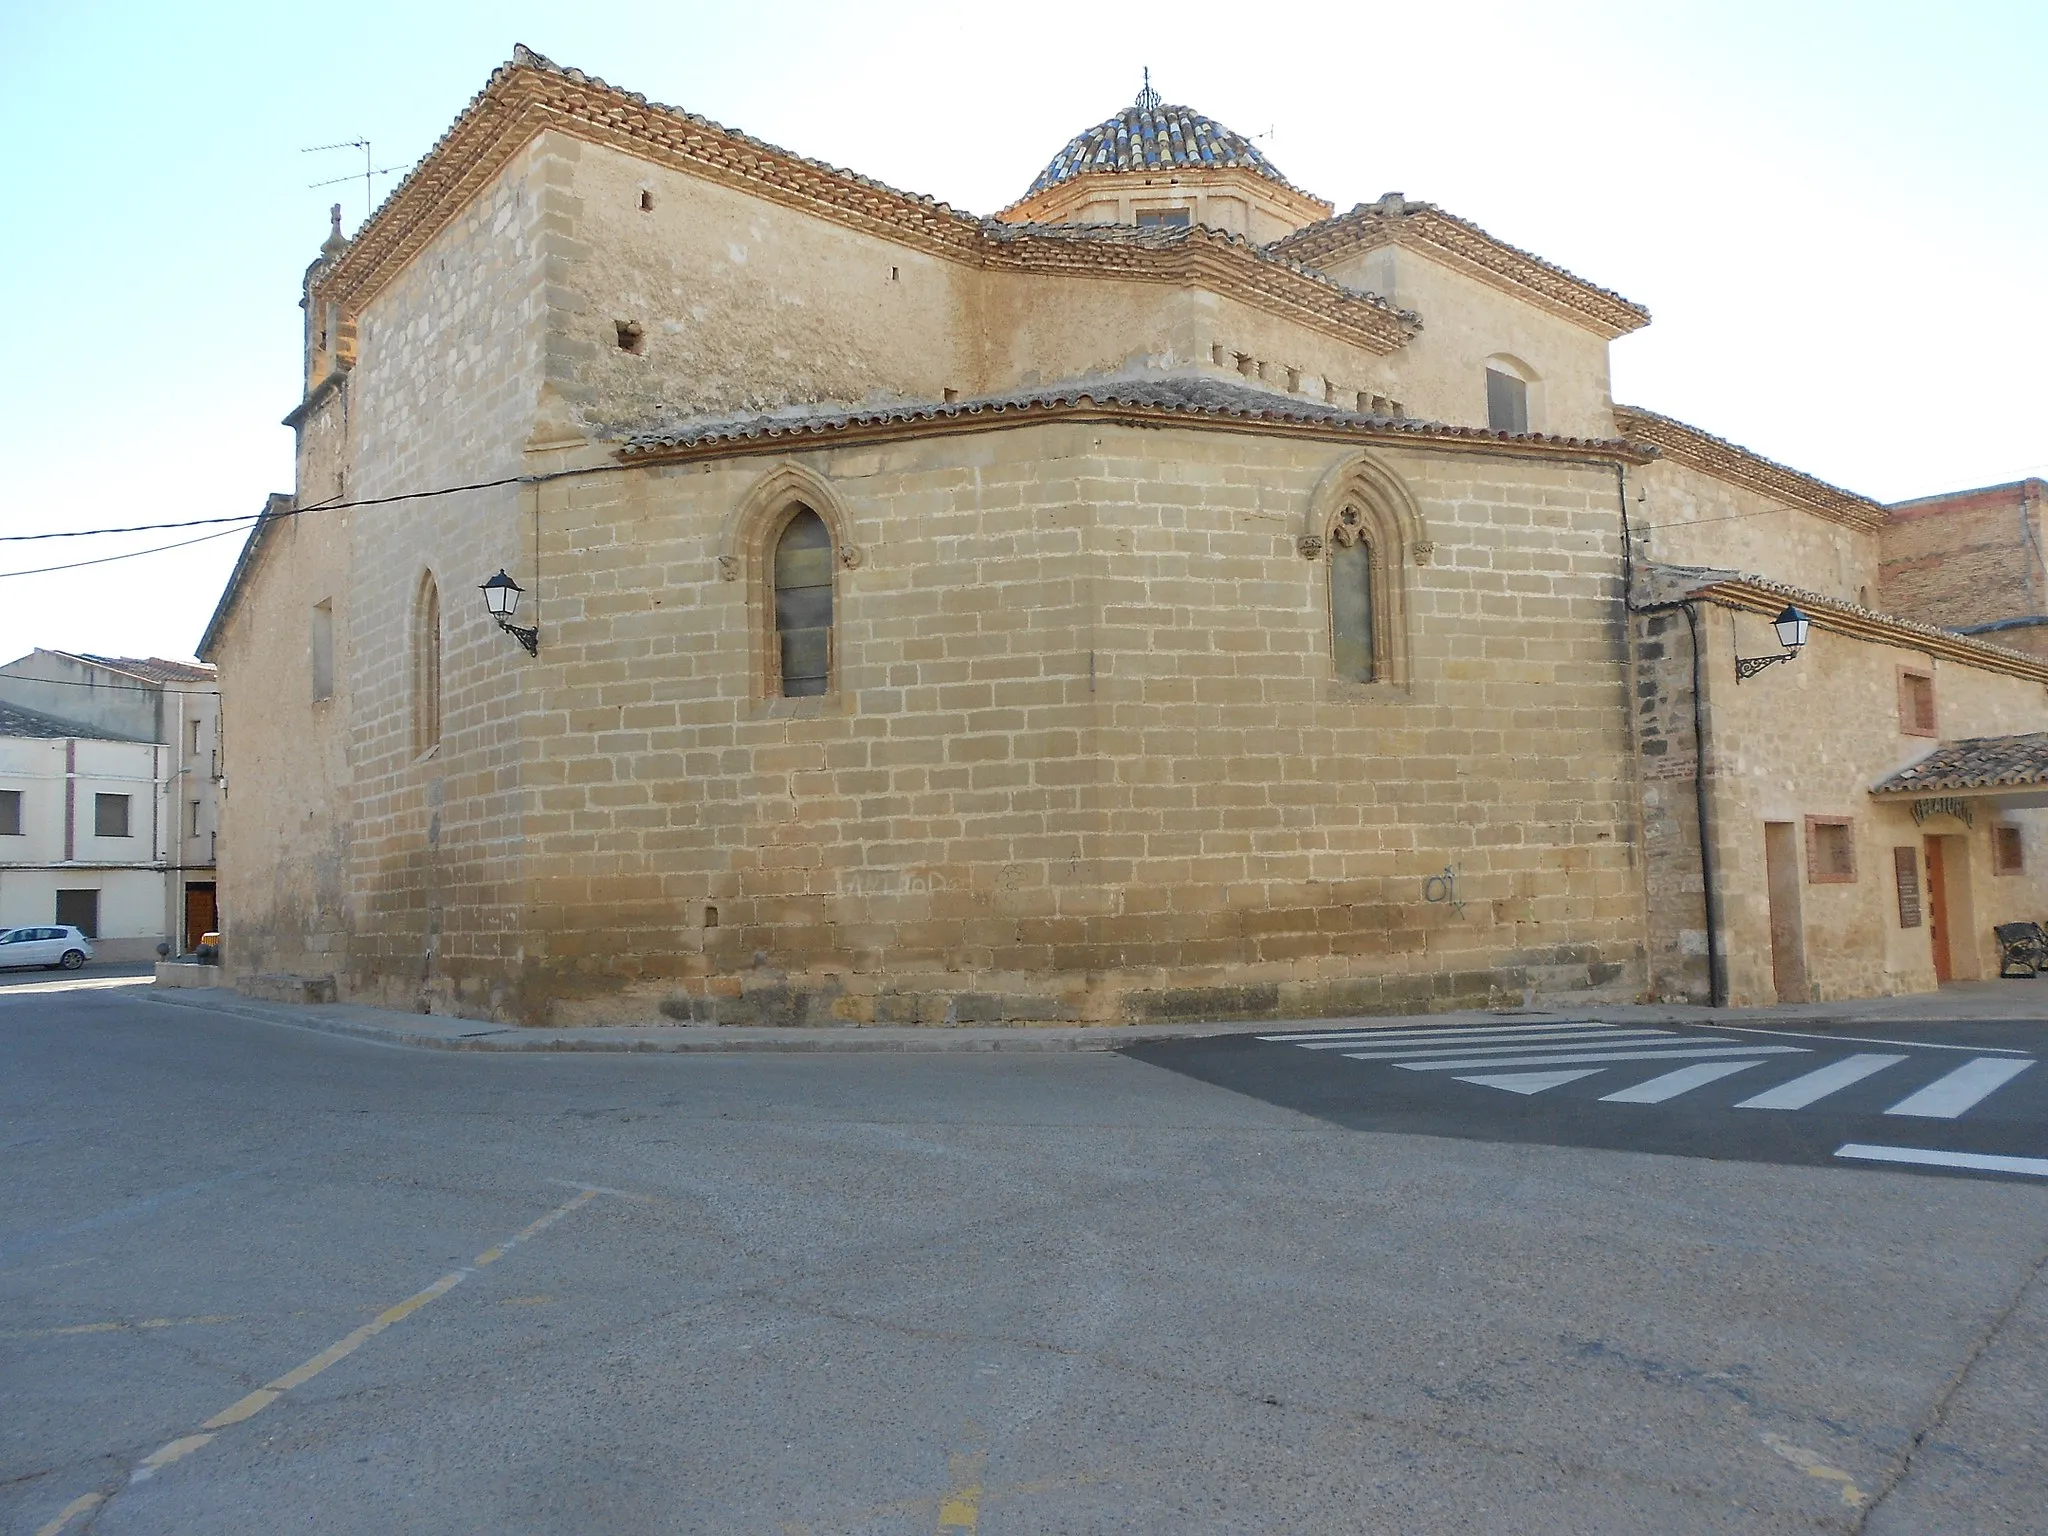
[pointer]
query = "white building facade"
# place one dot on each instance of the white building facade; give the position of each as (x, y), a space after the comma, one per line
(109, 799)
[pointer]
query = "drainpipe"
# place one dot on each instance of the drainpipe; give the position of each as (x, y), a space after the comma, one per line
(1710, 895)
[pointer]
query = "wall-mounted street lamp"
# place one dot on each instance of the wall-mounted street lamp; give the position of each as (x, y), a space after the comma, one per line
(501, 596)
(1791, 626)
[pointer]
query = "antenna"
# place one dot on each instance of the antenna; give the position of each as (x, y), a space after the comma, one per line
(368, 172)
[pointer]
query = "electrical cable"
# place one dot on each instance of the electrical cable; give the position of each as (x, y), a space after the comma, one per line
(133, 554)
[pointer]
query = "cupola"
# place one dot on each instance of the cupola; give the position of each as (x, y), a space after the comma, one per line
(1158, 164)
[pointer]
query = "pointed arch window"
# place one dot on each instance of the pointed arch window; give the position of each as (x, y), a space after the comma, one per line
(426, 667)
(1354, 630)
(802, 570)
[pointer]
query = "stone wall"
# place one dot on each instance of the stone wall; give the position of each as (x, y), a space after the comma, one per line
(1681, 516)
(1086, 758)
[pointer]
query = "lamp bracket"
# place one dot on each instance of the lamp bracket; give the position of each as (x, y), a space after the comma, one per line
(530, 638)
(1749, 666)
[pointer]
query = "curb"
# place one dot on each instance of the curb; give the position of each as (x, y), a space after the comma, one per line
(384, 1027)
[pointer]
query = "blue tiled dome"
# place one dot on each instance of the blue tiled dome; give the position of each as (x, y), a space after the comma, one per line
(1149, 135)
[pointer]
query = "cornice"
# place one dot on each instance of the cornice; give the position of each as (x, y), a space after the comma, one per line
(1086, 185)
(1198, 256)
(1737, 465)
(1757, 594)
(1215, 408)
(1471, 250)
(531, 95)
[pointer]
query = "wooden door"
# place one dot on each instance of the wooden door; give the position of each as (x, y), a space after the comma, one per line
(1937, 911)
(1788, 930)
(201, 915)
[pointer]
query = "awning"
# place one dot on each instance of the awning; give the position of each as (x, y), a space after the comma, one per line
(2009, 771)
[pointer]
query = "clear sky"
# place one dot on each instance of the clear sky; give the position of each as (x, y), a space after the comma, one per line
(1837, 213)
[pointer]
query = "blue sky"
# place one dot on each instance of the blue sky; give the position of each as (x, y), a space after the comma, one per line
(1836, 213)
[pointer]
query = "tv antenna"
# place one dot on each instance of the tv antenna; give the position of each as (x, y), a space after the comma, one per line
(369, 172)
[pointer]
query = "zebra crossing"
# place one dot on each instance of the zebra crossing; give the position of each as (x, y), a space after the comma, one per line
(1537, 1058)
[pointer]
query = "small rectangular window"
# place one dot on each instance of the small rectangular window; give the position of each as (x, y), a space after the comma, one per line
(10, 813)
(110, 815)
(193, 727)
(323, 650)
(1830, 850)
(1916, 704)
(2008, 850)
(1162, 218)
(192, 820)
(1507, 402)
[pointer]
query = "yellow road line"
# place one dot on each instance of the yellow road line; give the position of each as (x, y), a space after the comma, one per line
(960, 1509)
(122, 1326)
(72, 1511)
(1810, 1463)
(255, 1402)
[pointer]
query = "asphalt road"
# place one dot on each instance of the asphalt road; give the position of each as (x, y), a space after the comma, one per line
(258, 1279)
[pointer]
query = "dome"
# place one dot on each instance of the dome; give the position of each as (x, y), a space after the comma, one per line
(1149, 135)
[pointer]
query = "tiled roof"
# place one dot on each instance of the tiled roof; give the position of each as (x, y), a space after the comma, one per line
(1717, 456)
(16, 721)
(1188, 399)
(1977, 762)
(153, 669)
(1150, 135)
(1469, 247)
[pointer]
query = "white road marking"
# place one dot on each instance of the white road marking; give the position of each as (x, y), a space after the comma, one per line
(1490, 1037)
(1481, 1063)
(1820, 1082)
(1437, 1032)
(1530, 1082)
(1684, 1080)
(1982, 1162)
(1511, 1047)
(1949, 1095)
(1917, 1045)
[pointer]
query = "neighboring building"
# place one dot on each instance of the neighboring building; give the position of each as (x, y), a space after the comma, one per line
(1161, 600)
(1972, 561)
(110, 779)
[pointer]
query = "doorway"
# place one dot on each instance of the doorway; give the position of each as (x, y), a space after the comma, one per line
(201, 913)
(1949, 923)
(1788, 928)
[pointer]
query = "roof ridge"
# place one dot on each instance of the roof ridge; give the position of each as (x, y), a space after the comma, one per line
(1475, 246)
(1687, 444)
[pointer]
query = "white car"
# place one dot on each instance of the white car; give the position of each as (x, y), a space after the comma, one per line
(48, 947)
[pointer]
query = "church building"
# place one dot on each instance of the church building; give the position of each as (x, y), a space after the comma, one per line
(721, 587)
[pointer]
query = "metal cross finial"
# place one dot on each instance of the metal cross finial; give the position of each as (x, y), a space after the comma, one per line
(1148, 99)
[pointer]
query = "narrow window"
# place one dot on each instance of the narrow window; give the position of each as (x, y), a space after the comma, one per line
(1162, 218)
(426, 667)
(192, 818)
(322, 644)
(1351, 609)
(647, 202)
(2008, 852)
(10, 813)
(1916, 704)
(803, 605)
(110, 815)
(193, 727)
(1830, 850)
(1507, 402)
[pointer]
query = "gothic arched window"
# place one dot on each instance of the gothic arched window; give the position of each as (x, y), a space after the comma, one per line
(803, 605)
(1354, 635)
(426, 666)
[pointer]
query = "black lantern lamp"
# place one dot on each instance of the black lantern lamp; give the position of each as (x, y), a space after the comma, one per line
(501, 596)
(1792, 627)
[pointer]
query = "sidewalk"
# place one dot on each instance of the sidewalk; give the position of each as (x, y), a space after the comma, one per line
(1969, 1001)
